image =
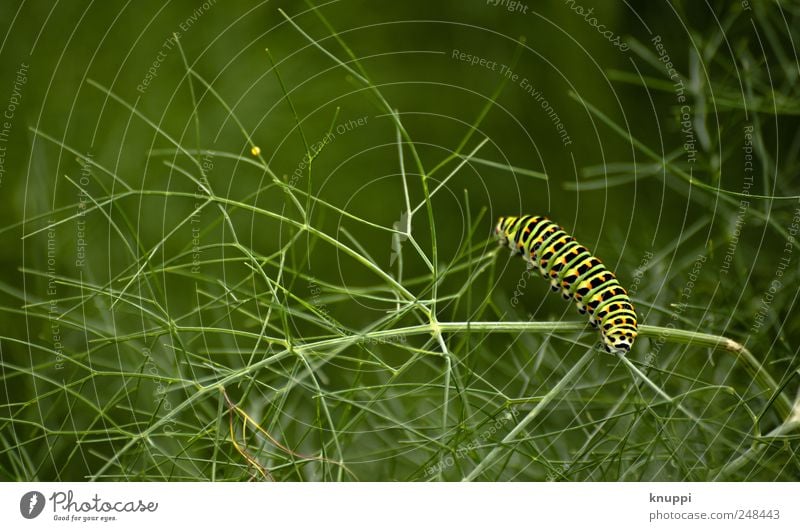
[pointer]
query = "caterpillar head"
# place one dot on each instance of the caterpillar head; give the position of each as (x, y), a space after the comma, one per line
(619, 340)
(500, 229)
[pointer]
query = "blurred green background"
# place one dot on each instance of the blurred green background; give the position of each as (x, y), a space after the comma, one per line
(107, 100)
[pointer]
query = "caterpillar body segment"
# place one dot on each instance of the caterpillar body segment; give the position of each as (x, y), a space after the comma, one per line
(576, 273)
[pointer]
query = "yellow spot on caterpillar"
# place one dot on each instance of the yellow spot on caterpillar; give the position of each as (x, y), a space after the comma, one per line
(255, 151)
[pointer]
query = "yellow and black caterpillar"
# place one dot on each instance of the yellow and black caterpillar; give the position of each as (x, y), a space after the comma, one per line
(574, 271)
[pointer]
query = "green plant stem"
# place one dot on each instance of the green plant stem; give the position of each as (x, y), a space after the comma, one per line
(759, 446)
(492, 456)
(782, 402)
